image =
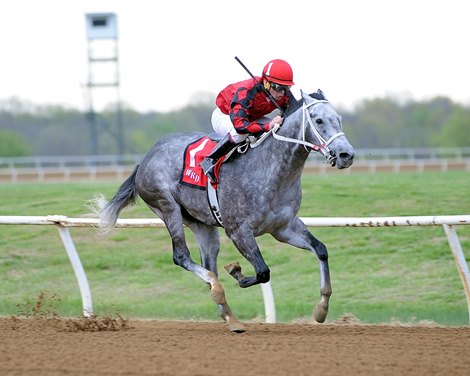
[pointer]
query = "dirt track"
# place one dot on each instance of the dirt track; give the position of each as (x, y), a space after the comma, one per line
(54, 347)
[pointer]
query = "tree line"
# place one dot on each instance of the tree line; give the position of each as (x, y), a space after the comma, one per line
(40, 130)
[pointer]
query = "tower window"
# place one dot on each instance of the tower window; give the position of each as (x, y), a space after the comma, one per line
(99, 22)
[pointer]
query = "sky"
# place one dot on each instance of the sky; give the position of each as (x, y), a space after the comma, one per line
(176, 52)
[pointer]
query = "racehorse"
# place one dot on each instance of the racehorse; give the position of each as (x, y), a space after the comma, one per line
(259, 193)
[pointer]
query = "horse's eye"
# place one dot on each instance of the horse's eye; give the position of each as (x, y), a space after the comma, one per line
(319, 121)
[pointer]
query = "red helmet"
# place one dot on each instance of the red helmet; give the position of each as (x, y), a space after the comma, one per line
(279, 71)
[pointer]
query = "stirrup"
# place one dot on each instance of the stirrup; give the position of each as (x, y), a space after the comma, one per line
(208, 165)
(211, 176)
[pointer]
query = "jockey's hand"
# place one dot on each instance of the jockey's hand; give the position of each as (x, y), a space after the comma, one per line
(277, 120)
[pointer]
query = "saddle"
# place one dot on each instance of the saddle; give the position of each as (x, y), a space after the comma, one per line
(215, 137)
(193, 175)
(195, 152)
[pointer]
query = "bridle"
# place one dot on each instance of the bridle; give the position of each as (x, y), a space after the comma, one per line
(323, 148)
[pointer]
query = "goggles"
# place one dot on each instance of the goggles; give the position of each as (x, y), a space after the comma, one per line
(279, 88)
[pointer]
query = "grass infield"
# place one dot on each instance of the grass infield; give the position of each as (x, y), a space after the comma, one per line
(404, 274)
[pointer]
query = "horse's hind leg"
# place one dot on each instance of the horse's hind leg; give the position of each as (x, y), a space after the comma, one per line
(209, 246)
(181, 257)
(297, 234)
(209, 243)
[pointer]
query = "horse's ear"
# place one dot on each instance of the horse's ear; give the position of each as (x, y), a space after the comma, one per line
(320, 95)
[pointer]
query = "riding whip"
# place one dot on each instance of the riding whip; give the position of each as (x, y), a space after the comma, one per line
(262, 86)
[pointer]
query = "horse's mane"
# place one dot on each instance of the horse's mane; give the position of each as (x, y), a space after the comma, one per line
(295, 104)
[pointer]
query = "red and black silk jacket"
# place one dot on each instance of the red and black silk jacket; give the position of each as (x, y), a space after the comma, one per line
(246, 102)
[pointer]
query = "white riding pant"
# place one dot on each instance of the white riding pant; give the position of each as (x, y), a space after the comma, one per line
(223, 125)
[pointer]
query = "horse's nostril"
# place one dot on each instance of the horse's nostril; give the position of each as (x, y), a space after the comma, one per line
(346, 156)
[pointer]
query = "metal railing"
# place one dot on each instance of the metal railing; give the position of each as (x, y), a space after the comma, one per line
(116, 167)
(63, 223)
(74, 161)
(362, 155)
(409, 154)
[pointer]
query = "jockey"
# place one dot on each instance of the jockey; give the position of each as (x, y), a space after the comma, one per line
(242, 108)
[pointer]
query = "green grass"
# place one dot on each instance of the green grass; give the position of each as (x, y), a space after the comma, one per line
(378, 274)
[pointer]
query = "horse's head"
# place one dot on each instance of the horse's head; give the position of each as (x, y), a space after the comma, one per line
(323, 128)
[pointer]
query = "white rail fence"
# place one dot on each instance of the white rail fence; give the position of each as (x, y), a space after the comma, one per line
(63, 223)
(117, 167)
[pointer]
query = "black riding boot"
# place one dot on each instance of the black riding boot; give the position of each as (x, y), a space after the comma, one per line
(222, 148)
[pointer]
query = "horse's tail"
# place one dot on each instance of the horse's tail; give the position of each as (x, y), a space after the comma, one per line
(109, 211)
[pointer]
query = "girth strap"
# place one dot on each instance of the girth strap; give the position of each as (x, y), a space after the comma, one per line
(214, 203)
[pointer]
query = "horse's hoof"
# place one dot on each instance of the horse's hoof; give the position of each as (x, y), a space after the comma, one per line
(320, 314)
(236, 327)
(233, 268)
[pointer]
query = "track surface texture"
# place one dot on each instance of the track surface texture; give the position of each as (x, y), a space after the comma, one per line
(58, 346)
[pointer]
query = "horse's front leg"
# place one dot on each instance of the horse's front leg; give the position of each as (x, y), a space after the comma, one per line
(246, 244)
(299, 236)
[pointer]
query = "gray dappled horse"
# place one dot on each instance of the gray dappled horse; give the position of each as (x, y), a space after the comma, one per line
(259, 193)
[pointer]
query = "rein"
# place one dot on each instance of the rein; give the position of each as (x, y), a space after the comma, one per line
(322, 148)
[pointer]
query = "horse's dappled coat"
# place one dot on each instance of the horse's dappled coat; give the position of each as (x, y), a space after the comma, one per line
(259, 193)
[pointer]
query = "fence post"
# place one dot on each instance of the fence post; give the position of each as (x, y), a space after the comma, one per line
(269, 307)
(460, 261)
(78, 270)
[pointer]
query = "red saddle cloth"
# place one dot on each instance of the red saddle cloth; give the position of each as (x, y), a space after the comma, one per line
(193, 155)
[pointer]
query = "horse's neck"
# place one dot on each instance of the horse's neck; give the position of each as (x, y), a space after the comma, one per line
(288, 158)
